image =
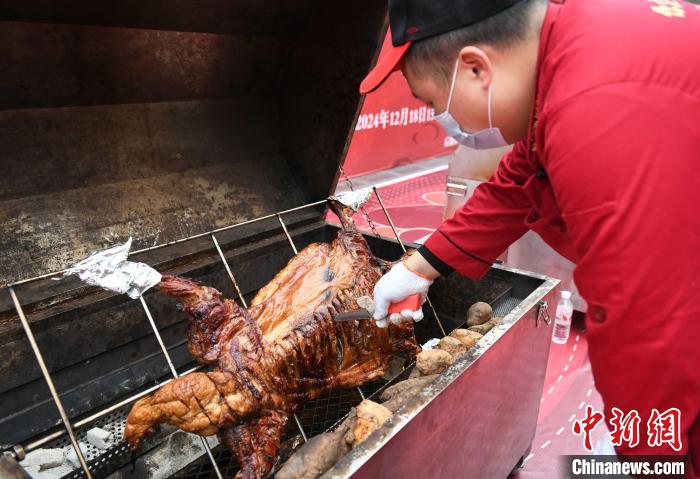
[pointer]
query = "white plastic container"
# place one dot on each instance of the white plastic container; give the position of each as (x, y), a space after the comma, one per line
(562, 318)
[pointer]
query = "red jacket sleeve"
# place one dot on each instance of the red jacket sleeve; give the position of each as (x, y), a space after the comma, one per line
(492, 219)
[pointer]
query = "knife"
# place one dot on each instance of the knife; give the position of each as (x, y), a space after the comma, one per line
(367, 308)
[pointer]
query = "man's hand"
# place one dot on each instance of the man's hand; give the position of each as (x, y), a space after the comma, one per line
(412, 276)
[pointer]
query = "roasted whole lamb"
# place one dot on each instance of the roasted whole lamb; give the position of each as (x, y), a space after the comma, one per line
(282, 350)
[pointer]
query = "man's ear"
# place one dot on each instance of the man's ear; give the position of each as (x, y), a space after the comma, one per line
(476, 65)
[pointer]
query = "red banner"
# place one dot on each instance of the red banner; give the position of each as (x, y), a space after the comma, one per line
(394, 129)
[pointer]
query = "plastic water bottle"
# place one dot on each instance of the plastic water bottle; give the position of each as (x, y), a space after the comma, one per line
(562, 318)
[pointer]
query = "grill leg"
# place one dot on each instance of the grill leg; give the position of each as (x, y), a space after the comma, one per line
(49, 382)
(403, 247)
(156, 332)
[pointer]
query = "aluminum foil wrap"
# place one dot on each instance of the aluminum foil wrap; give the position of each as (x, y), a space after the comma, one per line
(430, 344)
(354, 199)
(110, 270)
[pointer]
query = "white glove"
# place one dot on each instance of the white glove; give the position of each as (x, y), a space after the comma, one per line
(398, 284)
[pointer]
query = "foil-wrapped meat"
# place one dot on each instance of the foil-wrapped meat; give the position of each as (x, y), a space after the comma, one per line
(282, 350)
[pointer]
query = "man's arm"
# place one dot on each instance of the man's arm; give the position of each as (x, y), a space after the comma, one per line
(491, 220)
(482, 229)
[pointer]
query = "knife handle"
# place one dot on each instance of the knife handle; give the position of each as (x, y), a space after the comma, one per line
(412, 303)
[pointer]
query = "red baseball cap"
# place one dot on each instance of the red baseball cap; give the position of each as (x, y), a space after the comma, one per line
(387, 64)
(412, 20)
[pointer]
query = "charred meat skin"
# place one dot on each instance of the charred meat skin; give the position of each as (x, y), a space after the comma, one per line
(283, 350)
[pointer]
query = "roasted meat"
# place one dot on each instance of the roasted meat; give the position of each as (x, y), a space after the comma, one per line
(282, 350)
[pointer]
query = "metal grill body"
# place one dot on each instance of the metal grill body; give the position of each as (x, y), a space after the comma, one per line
(508, 291)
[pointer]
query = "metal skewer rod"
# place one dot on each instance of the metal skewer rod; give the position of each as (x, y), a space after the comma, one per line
(289, 238)
(301, 429)
(156, 332)
(228, 270)
(181, 240)
(240, 294)
(403, 247)
(87, 420)
(49, 382)
(229, 227)
(291, 243)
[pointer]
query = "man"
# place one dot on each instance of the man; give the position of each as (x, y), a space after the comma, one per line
(602, 101)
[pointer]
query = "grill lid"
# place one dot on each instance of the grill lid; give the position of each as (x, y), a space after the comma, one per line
(133, 119)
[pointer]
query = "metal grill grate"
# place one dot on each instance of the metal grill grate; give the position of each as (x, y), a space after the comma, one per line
(113, 423)
(505, 304)
(101, 461)
(202, 469)
(316, 417)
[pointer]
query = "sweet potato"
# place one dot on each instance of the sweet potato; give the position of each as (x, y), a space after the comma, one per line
(370, 417)
(467, 337)
(433, 361)
(486, 327)
(403, 386)
(318, 454)
(479, 313)
(398, 394)
(452, 345)
(415, 373)
(395, 403)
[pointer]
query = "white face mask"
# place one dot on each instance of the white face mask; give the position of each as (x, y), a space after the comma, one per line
(480, 140)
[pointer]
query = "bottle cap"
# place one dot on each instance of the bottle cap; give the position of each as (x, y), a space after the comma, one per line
(566, 294)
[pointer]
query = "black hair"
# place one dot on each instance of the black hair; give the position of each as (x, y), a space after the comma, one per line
(437, 54)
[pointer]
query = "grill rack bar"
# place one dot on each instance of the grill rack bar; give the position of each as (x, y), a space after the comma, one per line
(228, 270)
(103, 412)
(289, 238)
(69, 427)
(173, 371)
(49, 381)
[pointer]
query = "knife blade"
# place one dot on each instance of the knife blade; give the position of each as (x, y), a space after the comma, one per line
(359, 314)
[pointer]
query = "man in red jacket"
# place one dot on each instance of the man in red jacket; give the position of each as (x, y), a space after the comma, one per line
(602, 101)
